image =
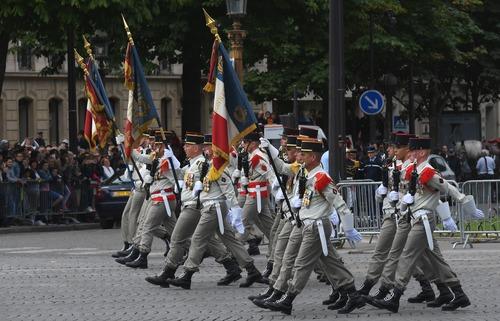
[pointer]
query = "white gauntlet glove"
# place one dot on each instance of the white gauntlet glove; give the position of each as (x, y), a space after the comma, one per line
(279, 196)
(393, 196)
(296, 202)
(407, 199)
(264, 143)
(197, 187)
(120, 139)
(236, 174)
(334, 218)
(449, 225)
(148, 179)
(381, 190)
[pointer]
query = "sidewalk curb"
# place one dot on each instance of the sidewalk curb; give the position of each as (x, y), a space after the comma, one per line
(50, 228)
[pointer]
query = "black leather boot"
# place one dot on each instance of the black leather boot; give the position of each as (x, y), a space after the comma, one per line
(269, 269)
(284, 304)
(141, 262)
(233, 272)
(134, 254)
(183, 281)
(277, 294)
(366, 287)
(341, 302)
(445, 296)
(253, 275)
(253, 247)
(426, 295)
(332, 298)
(459, 301)
(390, 303)
(267, 293)
(123, 252)
(380, 295)
(161, 279)
(354, 301)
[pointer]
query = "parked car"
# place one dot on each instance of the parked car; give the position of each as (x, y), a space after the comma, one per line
(111, 197)
(440, 165)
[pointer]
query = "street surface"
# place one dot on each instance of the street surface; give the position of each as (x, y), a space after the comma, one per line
(71, 276)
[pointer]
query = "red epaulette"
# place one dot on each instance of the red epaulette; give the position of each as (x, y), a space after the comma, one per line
(322, 181)
(408, 172)
(426, 175)
(164, 165)
(255, 160)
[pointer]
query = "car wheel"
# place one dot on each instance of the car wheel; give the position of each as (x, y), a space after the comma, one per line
(107, 224)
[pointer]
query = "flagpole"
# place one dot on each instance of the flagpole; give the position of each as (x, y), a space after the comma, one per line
(178, 194)
(79, 59)
(88, 48)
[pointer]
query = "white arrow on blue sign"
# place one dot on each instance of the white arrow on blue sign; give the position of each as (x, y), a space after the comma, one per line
(371, 102)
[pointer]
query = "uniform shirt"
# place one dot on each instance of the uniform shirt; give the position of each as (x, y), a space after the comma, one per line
(141, 158)
(322, 197)
(192, 174)
(485, 165)
(372, 169)
(220, 190)
(164, 177)
(259, 172)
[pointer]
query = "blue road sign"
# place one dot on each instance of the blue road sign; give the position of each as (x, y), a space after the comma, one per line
(371, 102)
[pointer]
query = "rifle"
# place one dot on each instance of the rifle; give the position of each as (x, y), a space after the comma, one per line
(245, 164)
(396, 178)
(239, 166)
(204, 171)
(153, 169)
(412, 188)
(296, 218)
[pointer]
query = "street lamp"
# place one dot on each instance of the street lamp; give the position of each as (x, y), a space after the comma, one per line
(237, 9)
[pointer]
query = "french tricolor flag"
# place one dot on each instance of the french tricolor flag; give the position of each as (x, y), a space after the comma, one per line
(233, 116)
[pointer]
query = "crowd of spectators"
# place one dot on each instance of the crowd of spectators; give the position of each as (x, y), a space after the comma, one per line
(37, 178)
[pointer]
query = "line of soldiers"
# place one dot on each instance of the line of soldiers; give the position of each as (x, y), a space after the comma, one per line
(296, 205)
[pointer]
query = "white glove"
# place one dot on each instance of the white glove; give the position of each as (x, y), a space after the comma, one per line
(279, 196)
(236, 174)
(198, 186)
(264, 143)
(353, 235)
(120, 139)
(144, 172)
(479, 213)
(237, 222)
(244, 181)
(393, 196)
(296, 202)
(334, 218)
(407, 199)
(168, 153)
(381, 190)
(449, 225)
(148, 179)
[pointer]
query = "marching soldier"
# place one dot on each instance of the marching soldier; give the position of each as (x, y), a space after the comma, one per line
(315, 206)
(215, 197)
(159, 216)
(137, 197)
(256, 209)
(193, 174)
(420, 202)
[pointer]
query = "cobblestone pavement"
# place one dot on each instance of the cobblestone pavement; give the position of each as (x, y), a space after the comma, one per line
(71, 276)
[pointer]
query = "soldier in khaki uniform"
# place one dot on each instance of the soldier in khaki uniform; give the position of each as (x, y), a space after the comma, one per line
(189, 217)
(291, 171)
(316, 205)
(159, 219)
(257, 209)
(136, 199)
(215, 198)
(420, 243)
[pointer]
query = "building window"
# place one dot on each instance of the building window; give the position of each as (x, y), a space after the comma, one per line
(82, 111)
(25, 118)
(25, 58)
(54, 111)
(166, 104)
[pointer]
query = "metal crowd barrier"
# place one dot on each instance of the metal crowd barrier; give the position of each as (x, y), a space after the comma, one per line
(487, 196)
(32, 201)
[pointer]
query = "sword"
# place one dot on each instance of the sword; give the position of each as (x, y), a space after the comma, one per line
(428, 232)
(220, 220)
(322, 237)
(258, 198)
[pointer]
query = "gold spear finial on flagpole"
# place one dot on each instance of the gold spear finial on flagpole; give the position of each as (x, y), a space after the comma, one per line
(87, 47)
(210, 23)
(129, 34)
(81, 63)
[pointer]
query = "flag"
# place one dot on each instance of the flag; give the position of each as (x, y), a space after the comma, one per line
(99, 86)
(89, 128)
(141, 111)
(233, 116)
(98, 111)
